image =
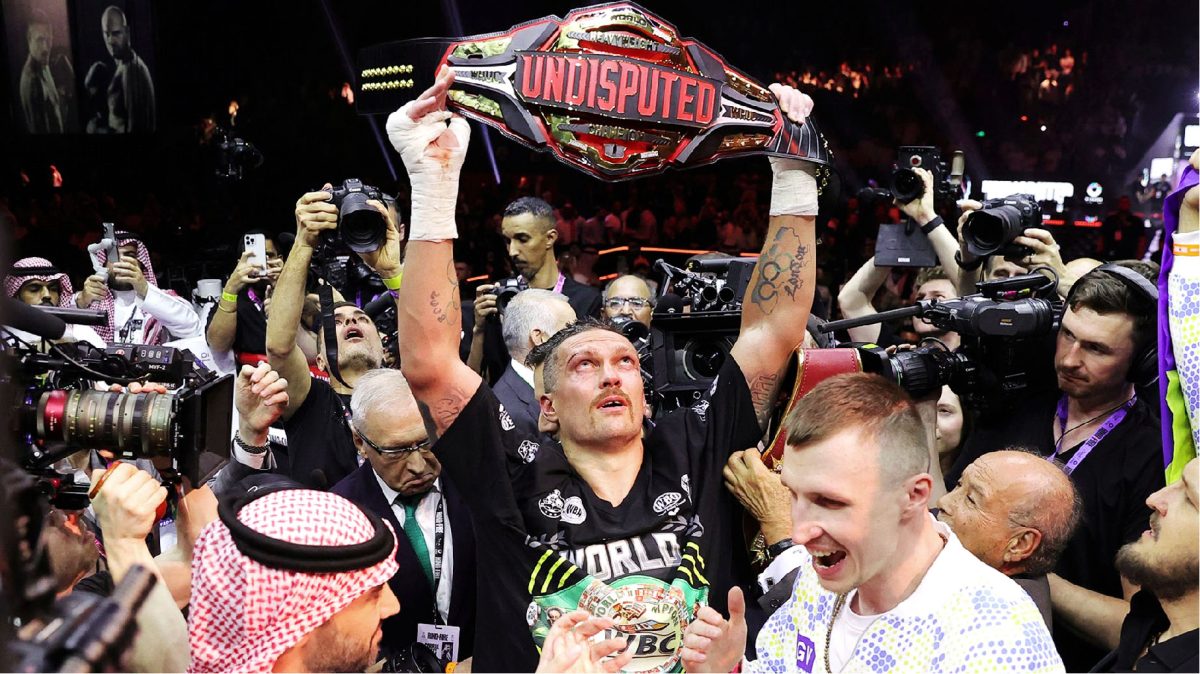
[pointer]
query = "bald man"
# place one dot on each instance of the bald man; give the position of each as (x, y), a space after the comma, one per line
(131, 90)
(630, 296)
(1015, 511)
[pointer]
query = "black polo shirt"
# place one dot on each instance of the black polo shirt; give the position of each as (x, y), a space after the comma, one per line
(251, 333)
(1114, 482)
(1145, 621)
(320, 449)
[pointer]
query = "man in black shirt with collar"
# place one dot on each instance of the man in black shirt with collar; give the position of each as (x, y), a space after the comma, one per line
(608, 521)
(1108, 439)
(528, 229)
(1160, 633)
(239, 321)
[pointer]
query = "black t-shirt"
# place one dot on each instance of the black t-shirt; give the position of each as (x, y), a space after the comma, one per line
(251, 334)
(319, 439)
(547, 543)
(1145, 620)
(1113, 481)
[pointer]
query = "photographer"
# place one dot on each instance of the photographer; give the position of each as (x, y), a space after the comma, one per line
(139, 312)
(240, 321)
(35, 281)
(579, 515)
(1108, 437)
(529, 234)
(855, 297)
(320, 447)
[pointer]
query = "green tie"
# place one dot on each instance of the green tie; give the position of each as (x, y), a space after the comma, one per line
(413, 531)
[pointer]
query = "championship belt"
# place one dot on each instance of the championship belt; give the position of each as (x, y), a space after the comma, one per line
(612, 90)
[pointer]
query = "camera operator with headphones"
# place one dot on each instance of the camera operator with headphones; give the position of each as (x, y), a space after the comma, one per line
(1107, 436)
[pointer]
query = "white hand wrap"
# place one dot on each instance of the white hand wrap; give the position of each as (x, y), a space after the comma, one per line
(794, 190)
(432, 169)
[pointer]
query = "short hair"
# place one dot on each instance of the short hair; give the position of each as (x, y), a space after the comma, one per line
(540, 209)
(874, 406)
(545, 353)
(1045, 513)
(649, 292)
(1106, 293)
(928, 274)
(378, 389)
(526, 312)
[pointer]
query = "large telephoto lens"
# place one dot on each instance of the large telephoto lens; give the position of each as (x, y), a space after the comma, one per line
(132, 424)
(363, 228)
(988, 230)
(907, 185)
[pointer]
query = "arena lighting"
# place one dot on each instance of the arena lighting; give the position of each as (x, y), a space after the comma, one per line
(1043, 127)
(348, 65)
(481, 277)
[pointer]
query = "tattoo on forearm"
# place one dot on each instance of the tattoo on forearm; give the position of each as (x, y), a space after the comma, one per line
(763, 391)
(439, 310)
(779, 270)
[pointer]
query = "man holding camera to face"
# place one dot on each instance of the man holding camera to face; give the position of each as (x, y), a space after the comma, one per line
(1106, 435)
(320, 446)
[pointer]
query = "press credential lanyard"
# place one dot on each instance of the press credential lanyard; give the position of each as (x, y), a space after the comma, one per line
(1098, 435)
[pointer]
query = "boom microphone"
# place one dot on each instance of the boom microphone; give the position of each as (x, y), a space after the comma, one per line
(29, 319)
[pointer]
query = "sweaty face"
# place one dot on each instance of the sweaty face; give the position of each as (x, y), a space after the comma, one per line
(1166, 558)
(41, 39)
(40, 292)
(842, 512)
(359, 345)
(393, 427)
(978, 509)
(625, 289)
(597, 397)
(349, 641)
(949, 421)
(529, 244)
(1093, 352)
(116, 35)
(940, 289)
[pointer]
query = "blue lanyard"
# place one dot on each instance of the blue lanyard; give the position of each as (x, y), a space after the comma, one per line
(1117, 416)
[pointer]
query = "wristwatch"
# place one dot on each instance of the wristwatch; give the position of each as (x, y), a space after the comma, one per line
(776, 549)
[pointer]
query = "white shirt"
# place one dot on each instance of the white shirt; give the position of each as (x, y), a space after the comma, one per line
(525, 373)
(175, 313)
(426, 520)
(73, 333)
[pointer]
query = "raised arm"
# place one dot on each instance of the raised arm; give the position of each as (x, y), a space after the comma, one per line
(222, 327)
(313, 214)
(433, 145)
(779, 297)
(855, 299)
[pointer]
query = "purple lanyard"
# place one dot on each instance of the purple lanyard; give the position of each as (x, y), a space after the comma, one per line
(254, 298)
(1100, 433)
(559, 285)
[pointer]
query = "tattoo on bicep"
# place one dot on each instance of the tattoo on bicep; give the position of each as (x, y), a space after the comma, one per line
(763, 392)
(447, 408)
(779, 270)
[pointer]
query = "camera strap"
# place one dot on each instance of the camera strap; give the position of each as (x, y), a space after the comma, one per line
(325, 293)
(1113, 420)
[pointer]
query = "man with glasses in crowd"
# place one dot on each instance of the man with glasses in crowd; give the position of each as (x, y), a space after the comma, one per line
(401, 480)
(630, 296)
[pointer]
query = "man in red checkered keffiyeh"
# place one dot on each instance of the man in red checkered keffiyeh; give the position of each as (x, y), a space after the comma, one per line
(257, 616)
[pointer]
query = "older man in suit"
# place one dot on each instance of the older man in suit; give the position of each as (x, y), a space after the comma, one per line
(401, 481)
(530, 319)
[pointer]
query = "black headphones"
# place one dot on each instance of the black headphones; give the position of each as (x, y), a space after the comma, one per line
(1143, 368)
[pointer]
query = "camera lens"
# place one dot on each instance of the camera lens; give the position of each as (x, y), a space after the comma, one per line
(704, 357)
(907, 185)
(987, 231)
(133, 424)
(362, 228)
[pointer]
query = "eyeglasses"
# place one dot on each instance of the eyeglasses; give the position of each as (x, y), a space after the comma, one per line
(615, 303)
(392, 452)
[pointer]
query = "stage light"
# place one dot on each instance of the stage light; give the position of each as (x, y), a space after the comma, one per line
(1043, 127)
(348, 93)
(980, 134)
(1024, 118)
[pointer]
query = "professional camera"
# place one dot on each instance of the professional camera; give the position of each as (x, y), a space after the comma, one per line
(1004, 330)
(907, 185)
(235, 157)
(362, 228)
(708, 285)
(991, 229)
(506, 290)
(58, 413)
(639, 335)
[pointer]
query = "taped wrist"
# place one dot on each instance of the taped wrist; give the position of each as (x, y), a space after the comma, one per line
(794, 189)
(432, 170)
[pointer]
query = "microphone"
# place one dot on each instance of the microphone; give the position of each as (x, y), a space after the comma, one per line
(669, 304)
(76, 316)
(28, 319)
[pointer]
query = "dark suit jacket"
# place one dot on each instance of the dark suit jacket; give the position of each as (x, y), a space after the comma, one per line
(518, 399)
(409, 584)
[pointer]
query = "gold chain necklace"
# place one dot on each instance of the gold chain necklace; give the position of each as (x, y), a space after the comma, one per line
(837, 607)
